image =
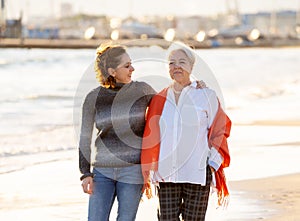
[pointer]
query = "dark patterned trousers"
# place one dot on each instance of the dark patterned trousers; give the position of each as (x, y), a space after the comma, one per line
(183, 199)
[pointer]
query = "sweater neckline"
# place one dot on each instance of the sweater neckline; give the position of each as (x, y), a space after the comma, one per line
(119, 86)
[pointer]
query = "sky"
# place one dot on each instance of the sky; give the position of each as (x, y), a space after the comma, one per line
(124, 8)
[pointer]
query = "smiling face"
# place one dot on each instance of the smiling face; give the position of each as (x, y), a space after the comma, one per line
(122, 73)
(180, 67)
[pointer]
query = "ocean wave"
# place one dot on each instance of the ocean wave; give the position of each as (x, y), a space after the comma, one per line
(263, 93)
(4, 62)
(21, 161)
(48, 97)
(45, 55)
(36, 97)
(21, 152)
(270, 91)
(13, 62)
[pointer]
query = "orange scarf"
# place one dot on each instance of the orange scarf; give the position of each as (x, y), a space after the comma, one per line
(217, 138)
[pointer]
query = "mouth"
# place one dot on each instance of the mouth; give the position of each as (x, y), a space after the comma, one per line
(177, 72)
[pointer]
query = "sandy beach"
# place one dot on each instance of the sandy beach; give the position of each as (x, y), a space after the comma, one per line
(280, 196)
(39, 175)
(52, 191)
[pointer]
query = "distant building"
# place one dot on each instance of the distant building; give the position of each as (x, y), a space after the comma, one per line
(136, 30)
(277, 24)
(2, 18)
(66, 10)
(13, 28)
(76, 26)
(41, 32)
(188, 27)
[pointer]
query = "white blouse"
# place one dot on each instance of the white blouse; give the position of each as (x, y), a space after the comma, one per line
(184, 151)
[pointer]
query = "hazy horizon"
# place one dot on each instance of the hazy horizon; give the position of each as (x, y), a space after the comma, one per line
(52, 8)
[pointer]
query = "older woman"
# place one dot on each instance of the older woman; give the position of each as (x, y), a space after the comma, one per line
(184, 143)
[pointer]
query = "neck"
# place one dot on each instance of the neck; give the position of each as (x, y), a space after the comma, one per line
(122, 82)
(180, 85)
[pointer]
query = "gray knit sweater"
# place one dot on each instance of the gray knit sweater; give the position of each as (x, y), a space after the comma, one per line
(119, 116)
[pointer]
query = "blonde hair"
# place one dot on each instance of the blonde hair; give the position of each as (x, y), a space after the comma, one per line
(108, 56)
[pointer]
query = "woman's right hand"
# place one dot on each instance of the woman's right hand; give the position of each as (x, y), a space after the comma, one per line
(87, 185)
(201, 84)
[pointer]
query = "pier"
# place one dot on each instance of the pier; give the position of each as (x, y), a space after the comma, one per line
(94, 43)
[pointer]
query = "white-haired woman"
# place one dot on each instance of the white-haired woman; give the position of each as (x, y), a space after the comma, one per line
(185, 143)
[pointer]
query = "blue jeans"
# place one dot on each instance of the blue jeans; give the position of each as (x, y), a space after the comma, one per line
(109, 183)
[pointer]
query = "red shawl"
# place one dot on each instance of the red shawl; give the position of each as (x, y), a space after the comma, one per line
(217, 138)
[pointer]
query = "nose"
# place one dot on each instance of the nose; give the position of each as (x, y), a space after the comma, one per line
(177, 65)
(131, 68)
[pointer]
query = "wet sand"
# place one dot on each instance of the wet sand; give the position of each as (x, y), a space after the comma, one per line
(279, 195)
(52, 191)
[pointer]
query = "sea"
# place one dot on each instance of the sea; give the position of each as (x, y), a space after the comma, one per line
(42, 91)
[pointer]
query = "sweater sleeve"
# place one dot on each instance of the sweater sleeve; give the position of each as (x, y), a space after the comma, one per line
(86, 132)
(148, 91)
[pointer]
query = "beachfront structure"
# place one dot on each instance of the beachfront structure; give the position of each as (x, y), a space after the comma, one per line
(13, 28)
(2, 17)
(280, 24)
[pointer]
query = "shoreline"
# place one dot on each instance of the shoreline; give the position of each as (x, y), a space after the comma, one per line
(280, 195)
(94, 43)
(52, 189)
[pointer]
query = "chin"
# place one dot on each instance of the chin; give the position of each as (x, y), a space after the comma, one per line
(178, 79)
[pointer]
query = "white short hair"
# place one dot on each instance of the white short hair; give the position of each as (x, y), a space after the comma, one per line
(185, 49)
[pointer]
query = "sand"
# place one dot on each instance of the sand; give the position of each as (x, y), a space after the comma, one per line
(52, 191)
(279, 195)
